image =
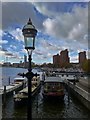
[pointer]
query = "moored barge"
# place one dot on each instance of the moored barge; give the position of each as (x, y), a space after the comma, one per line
(22, 96)
(53, 87)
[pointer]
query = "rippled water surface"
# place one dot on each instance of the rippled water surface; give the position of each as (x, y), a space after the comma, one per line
(44, 108)
(58, 109)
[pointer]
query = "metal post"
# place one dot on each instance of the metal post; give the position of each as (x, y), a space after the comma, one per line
(68, 92)
(74, 81)
(29, 90)
(37, 105)
(29, 75)
(9, 80)
(4, 95)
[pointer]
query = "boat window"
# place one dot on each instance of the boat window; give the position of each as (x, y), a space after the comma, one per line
(53, 84)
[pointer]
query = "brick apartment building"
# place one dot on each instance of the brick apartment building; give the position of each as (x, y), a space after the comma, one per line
(56, 60)
(62, 59)
(82, 57)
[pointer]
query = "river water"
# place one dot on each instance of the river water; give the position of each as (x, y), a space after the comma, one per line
(40, 107)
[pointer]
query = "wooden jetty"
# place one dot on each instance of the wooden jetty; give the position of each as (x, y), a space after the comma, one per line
(18, 84)
(22, 96)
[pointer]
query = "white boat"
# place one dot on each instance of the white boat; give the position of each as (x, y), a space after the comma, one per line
(18, 84)
(20, 80)
(22, 96)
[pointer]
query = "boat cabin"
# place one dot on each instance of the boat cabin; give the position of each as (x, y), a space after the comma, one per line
(18, 80)
(53, 86)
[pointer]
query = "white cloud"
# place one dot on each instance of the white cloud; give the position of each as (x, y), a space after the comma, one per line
(3, 41)
(2, 53)
(66, 26)
(17, 34)
(69, 26)
(38, 52)
(49, 46)
(18, 13)
(12, 46)
(74, 59)
(1, 32)
(9, 54)
(24, 51)
(16, 0)
(49, 55)
(88, 54)
(45, 0)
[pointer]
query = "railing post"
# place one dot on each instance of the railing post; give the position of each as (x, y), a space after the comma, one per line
(4, 94)
(9, 80)
(68, 92)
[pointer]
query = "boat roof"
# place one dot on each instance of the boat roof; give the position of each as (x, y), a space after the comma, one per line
(53, 79)
(19, 78)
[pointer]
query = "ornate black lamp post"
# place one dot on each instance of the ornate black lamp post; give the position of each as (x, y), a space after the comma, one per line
(29, 33)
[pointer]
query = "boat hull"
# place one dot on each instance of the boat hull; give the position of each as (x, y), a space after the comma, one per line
(53, 95)
(36, 90)
(24, 100)
(53, 88)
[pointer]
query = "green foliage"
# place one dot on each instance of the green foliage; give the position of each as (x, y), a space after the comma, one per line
(86, 65)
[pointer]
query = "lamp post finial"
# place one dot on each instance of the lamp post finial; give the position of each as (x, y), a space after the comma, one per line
(29, 21)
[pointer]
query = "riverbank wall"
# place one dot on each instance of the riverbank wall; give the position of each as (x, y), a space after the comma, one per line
(78, 90)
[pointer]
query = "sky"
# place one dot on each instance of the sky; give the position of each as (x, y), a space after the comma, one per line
(60, 25)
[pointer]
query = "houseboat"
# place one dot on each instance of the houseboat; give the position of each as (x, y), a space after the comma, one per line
(20, 79)
(17, 85)
(53, 87)
(22, 96)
